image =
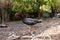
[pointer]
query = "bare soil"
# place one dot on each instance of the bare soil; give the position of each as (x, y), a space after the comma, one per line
(48, 26)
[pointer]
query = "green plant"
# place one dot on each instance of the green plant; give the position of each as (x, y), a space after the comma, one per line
(27, 6)
(49, 4)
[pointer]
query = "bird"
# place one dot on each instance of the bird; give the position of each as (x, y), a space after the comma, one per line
(30, 21)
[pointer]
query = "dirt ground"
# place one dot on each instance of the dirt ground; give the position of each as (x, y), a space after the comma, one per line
(48, 26)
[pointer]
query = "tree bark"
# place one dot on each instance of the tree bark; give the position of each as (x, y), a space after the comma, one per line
(4, 13)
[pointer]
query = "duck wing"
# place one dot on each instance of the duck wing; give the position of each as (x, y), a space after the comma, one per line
(29, 21)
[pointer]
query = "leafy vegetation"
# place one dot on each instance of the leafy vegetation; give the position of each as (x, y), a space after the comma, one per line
(28, 6)
(32, 6)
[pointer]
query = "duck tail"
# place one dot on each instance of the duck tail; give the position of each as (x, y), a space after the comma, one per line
(39, 21)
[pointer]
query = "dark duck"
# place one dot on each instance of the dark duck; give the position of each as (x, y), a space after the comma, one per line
(30, 21)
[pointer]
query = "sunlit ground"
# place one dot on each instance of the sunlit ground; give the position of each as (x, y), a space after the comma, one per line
(49, 27)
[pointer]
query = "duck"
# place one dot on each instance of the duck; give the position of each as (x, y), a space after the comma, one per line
(31, 21)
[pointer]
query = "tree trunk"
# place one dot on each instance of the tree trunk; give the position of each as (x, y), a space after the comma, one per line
(53, 11)
(4, 13)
